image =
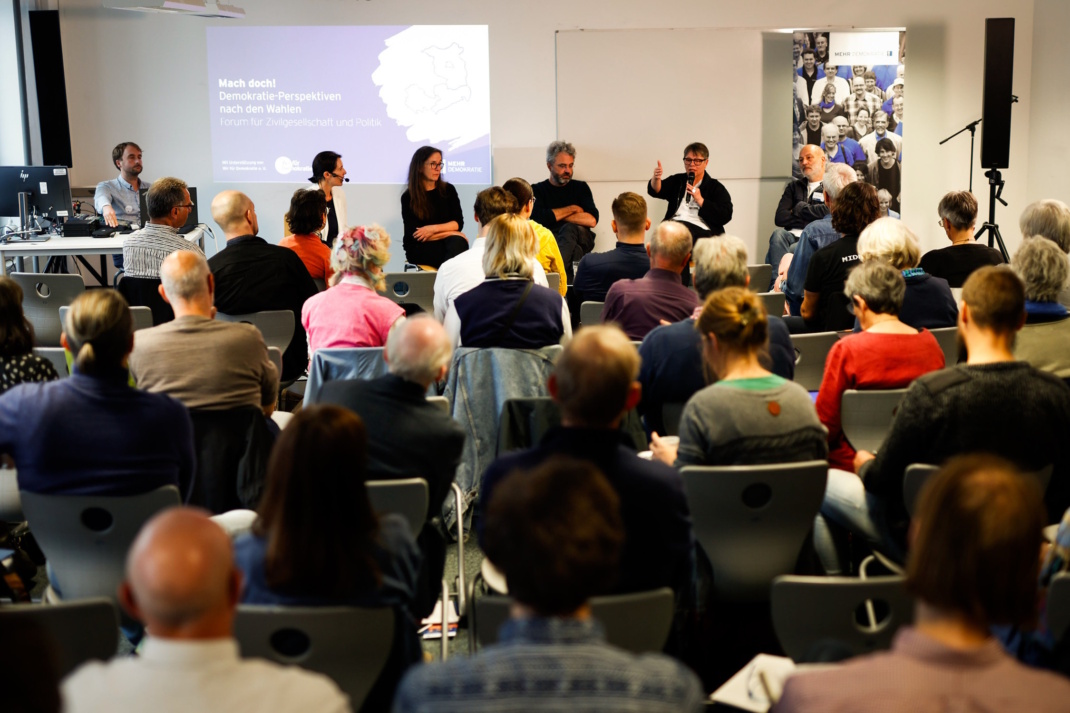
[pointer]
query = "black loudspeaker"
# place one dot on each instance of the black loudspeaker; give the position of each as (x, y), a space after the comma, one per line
(999, 76)
(51, 88)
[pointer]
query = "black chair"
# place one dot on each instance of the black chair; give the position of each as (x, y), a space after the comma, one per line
(232, 449)
(145, 292)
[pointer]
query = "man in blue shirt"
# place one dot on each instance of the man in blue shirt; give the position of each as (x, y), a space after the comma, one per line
(119, 199)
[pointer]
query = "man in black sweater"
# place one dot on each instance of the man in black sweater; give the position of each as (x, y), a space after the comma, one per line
(802, 203)
(565, 206)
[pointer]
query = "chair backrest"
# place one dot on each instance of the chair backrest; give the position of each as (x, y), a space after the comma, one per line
(591, 313)
(773, 303)
(412, 288)
(638, 622)
(752, 520)
(947, 338)
(142, 316)
(349, 645)
(810, 613)
(275, 355)
(81, 631)
(1058, 609)
(85, 537)
(321, 284)
(553, 280)
(56, 355)
(145, 292)
(232, 447)
(342, 363)
(810, 353)
(276, 325)
(866, 416)
(407, 497)
(42, 296)
(670, 417)
(917, 474)
(440, 401)
(760, 275)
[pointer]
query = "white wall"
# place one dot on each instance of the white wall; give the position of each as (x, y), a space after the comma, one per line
(142, 77)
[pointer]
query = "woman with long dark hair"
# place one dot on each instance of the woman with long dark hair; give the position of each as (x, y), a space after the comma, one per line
(18, 363)
(318, 542)
(431, 212)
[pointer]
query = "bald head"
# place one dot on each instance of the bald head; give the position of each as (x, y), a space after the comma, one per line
(180, 576)
(184, 275)
(234, 212)
(670, 246)
(418, 350)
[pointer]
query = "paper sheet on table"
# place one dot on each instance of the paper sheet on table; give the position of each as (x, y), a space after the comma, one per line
(746, 691)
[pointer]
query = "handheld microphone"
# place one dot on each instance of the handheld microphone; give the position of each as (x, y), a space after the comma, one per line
(691, 181)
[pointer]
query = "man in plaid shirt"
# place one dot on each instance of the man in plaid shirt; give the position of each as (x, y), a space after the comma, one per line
(859, 99)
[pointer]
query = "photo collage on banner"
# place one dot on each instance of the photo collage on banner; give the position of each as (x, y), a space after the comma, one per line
(849, 100)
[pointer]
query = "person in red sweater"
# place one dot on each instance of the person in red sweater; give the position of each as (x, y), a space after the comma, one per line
(887, 354)
(306, 217)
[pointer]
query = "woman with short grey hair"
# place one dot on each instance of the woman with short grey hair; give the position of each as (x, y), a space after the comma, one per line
(954, 263)
(1044, 341)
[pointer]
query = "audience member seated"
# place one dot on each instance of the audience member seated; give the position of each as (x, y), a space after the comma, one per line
(1049, 219)
(824, 306)
(181, 582)
(802, 203)
(18, 363)
(508, 309)
(672, 361)
(353, 313)
(991, 403)
(169, 206)
(1044, 341)
(954, 263)
(252, 275)
(202, 362)
(549, 255)
(750, 415)
(407, 436)
(557, 534)
(814, 236)
(93, 434)
(317, 542)
(627, 261)
(973, 564)
(307, 217)
(640, 305)
(460, 274)
(431, 212)
(887, 354)
(928, 302)
(594, 383)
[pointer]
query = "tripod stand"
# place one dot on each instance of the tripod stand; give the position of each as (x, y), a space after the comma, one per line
(995, 190)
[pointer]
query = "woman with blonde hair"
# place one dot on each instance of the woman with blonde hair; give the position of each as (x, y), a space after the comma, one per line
(749, 415)
(352, 313)
(508, 309)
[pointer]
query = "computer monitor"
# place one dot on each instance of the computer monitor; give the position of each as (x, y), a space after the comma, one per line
(49, 188)
(191, 220)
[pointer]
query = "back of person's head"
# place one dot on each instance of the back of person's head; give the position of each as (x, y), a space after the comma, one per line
(556, 534)
(180, 575)
(99, 329)
(837, 177)
(520, 190)
(363, 251)
(1047, 219)
(16, 332)
(594, 374)
(720, 262)
(511, 247)
(671, 242)
(737, 318)
(417, 349)
(995, 297)
(184, 275)
(315, 513)
(856, 207)
(307, 211)
(492, 202)
(959, 208)
(324, 162)
(229, 208)
(1043, 268)
(879, 284)
(165, 195)
(889, 240)
(629, 210)
(976, 546)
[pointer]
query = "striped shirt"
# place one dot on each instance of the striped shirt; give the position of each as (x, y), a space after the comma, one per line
(145, 249)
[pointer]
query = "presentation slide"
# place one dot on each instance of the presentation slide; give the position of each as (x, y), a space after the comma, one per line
(374, 94)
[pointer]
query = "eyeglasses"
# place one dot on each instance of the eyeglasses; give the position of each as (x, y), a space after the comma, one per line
(694, 160)
(436, 164)
(188, 206)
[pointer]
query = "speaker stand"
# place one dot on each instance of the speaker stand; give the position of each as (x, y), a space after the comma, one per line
(972, 128)
(995, 190)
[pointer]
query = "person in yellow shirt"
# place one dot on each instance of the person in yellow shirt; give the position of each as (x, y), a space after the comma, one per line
(549, 253)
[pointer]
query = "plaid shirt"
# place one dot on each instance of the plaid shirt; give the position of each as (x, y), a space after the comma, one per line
(868, 102)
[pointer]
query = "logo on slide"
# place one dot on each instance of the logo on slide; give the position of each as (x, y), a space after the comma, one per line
(283, 165)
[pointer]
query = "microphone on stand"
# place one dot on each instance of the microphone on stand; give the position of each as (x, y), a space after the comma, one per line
(690, 181)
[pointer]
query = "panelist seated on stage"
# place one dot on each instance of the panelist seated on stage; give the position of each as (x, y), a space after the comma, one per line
(702, 206)
(431, 212)
(120, 198)
(565, 205)
(202, 362)
(627, 261)
(802, 202)
(169, 205)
